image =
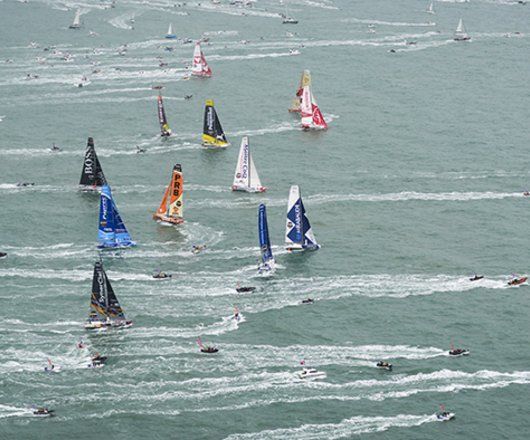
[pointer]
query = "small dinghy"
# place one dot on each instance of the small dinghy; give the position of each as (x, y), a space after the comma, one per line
(458, 351)
(43, 412)
(443, 415)
(98, 361)
(198, 248)
(244, 289)
(384, 365)
(517, 281)
(476, 277)
(308, 301)
(206, 348)
(161, 275)
(311, 373)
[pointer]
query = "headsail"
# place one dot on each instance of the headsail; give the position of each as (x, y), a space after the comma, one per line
(246, 177)
(200, 66)
(298, 232)
(305, 80)
(213, 134)
(76, 24)
(267, 259)
(112, 232)
(164, 126)
(105, 309)
(310, 112)
(92, 177)
(170, 210)
(460, 32)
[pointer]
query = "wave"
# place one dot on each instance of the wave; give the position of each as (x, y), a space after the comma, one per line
(346, 428)
(388, 23)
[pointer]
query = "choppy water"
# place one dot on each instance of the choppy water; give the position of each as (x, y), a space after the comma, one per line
(417, 183)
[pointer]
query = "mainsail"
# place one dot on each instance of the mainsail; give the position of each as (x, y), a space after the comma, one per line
(460, 32)
(213, 134)
(170, 33)
(200, 66)
(430, 8)
(170, 211)
(298, 232)
(112, 232)
(246, 176)
(164, 126)
(267, 259)
(92, 177)
(305, 80)
(105, 310)
(76, 24)
(311, 116)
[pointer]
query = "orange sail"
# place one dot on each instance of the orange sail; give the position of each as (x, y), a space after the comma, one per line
(170, 211)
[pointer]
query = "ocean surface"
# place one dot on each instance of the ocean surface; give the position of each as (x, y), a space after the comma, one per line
(417, 184)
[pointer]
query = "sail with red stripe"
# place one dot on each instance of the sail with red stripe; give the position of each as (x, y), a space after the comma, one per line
(200, 66)
(311, 115)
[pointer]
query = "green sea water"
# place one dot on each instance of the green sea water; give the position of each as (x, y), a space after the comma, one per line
(416, 185)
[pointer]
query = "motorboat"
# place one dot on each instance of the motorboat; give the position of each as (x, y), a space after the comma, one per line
(459, 352)
(245, 289)
(209, 349)
(476, 277)
(384, 365)
(517, 281)
(43, 412)
(311, 373)
(445, 416)
(308, 301)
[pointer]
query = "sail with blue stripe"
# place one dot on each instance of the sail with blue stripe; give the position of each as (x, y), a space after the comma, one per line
(298, 232)
(267, 259)
(112, 232)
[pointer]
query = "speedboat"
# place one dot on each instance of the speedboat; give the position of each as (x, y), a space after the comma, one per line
(24, 184)
(517, 281)
(311, 373)
(209, 349)
(445, 416)
(459, 352)
(476, 277)
(290, 20)
(197, 249)
(3, 255)
(245, 289)
(526, 193)
(43, 412)
(384, 365)
(308, 301)
(161, 276)
(52, 369)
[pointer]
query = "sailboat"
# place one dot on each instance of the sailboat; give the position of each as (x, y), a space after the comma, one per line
(105, 310)
(213, 134)
(76, 24)
(170, 33)
(169, 212)
(112, 233)
(246, 176)
(298, 233)
(200, 67)
(287, 19)
(305, 80)
(165, 131)
(460, 33)
(311, 116)
(430, 8)
(267, 264)
(92, 177)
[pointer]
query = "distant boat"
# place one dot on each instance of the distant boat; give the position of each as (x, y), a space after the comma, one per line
(105, 310)
(298, 232)
(430, 8)
(200, 67)
(170, 33)
(246, 176)
(76, 24)
(460, 33)
(112, 233)
(169, 212)
(165, 131)
(305, 80)
(287, 19)
(311, 115)
(92, 177)
(213, 134)
(267, 264)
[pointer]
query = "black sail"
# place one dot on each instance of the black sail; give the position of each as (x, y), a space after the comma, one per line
(92, 173)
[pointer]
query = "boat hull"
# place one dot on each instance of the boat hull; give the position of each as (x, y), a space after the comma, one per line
(260, 189)
(167, 221)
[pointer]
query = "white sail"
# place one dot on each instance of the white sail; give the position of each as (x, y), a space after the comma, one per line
(170, 29)
(246, 176)
(430, 9)
(460, 32)
(76, 24)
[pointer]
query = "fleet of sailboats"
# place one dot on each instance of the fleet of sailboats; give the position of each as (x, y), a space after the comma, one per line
(92, 177)
(212, 134)
(199, 66)
(112, 233)
(298, 232)
(105, 310)
(246, 176)
(460, 32)
(169, 213)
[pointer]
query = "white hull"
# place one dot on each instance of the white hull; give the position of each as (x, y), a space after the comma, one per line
(311, 374)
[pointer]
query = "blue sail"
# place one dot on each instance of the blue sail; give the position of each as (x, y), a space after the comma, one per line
(112, 232)
(298, 232)
(263, 232)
